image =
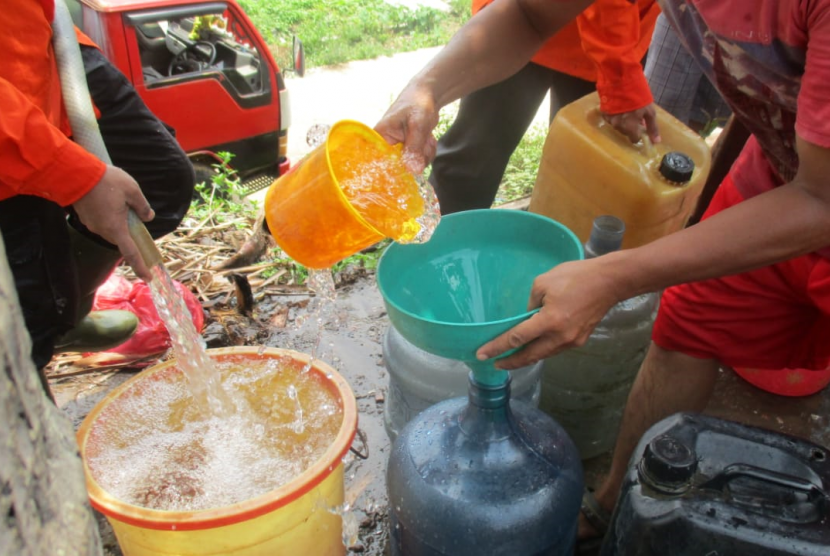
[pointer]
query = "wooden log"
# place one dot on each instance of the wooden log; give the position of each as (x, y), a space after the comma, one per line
(43, 498)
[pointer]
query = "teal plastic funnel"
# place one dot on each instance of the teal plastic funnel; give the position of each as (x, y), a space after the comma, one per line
(471, 282)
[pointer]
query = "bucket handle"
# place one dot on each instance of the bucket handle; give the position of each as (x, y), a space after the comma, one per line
(738, 470)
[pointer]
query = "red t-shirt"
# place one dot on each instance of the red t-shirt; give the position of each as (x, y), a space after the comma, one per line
(770, 59)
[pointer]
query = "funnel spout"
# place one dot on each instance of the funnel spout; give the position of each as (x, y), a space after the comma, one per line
(486, 373)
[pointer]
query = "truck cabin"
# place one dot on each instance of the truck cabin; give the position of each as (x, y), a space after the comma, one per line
(178, 45)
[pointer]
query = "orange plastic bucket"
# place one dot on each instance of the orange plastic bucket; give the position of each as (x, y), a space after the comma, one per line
(786, 382)
(349, 193)
(299, 517)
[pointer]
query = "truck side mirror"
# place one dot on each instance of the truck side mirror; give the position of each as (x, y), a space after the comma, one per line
(298, 57)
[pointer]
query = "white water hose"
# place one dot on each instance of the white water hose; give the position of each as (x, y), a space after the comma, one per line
(81, 115)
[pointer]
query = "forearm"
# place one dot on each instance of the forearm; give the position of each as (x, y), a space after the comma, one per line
(493, 45)
(786, 222)
(610, 31)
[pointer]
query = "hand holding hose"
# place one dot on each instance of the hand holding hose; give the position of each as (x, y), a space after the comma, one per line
(104, 210)
(115, 207)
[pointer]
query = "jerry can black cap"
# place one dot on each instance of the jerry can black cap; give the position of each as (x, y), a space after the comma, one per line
(677, 167)
(668, 464)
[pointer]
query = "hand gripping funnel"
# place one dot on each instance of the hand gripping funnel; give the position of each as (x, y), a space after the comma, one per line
(471, 281)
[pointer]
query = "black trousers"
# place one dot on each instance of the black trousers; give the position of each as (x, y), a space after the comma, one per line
(475, 150)
(35, 230)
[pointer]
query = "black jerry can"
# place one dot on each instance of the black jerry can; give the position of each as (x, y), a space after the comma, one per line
(702, 486)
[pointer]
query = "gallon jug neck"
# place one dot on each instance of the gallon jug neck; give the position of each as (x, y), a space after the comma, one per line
(606, 236)
(487, 415)
(487, 396)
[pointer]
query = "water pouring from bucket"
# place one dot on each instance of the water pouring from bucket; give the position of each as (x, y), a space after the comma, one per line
(349, 193)
(352, 191)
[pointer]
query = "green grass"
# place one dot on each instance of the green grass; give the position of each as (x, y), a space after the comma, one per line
(520, 174)
(338, 31)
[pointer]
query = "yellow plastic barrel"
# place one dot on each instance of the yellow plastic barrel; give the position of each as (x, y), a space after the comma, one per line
(347, 194)
(296, 518)
(588, 169)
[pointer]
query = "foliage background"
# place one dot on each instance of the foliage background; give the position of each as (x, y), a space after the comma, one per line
(338, 31)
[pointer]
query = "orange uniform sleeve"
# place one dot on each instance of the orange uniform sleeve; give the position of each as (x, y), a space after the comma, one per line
(36, 158)
(610, 32)
(83, 39)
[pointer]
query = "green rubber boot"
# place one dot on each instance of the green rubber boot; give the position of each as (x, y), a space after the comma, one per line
(97, 330)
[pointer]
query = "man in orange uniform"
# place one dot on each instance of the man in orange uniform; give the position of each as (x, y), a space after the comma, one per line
(63, 212)
(602, 50)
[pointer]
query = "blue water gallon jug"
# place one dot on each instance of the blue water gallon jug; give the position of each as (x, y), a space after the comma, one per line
(698, 485)
(482, 476)
(418, 379)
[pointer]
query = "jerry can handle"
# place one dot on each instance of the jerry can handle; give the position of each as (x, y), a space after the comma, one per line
(738, 470)
(648, 146)
(644, 146)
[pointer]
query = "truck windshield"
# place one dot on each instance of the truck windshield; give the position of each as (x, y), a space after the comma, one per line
(206, 46)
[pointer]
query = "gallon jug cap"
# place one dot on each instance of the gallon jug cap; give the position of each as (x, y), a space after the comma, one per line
(668, 465)
(677, 167)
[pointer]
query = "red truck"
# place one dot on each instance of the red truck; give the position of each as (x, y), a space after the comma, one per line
(205, 70)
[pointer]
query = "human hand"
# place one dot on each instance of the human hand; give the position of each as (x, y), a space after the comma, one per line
(410, 120)
(103, 210)
(574, 297)
(633, 124)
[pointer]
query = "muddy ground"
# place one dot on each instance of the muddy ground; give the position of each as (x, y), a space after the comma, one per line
(352, 344)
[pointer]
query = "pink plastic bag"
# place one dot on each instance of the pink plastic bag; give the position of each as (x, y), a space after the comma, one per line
(151, 336)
